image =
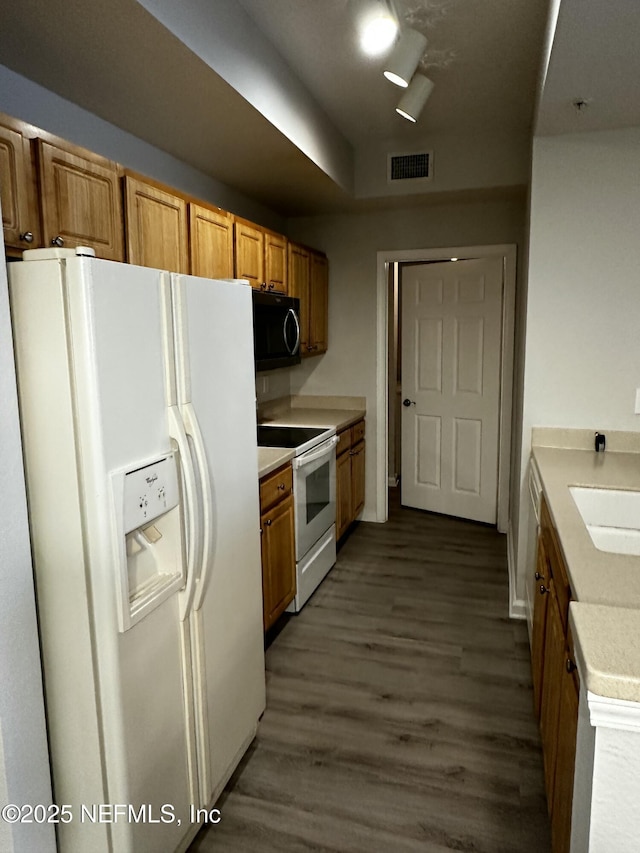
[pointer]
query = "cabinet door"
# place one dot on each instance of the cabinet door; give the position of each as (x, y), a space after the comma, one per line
(249, 253)
(299, 287)
(343, 493)
(156, 227)
(565, 759)
(278, 560)
(20, 214)
(319, 303)
(80, 199)
(554, 667)
(539, 625)
(211, 242)
(275, 262)
(357, 479)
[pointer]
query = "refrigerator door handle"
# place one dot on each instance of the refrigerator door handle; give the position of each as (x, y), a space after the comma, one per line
(179, 434)
(193, 430)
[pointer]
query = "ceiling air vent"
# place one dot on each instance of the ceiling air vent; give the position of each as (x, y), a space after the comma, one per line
(415, 168)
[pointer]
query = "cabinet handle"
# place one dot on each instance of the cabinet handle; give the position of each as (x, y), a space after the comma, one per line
(263, 286)
(27, 236)
(570, 665)
(268, 522)
(539, 577)
(271, 285)
(57, 241)
(543, 589)
(281, 486)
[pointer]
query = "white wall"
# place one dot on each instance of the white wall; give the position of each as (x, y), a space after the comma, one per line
(352, 243)
(232, 45)
(23, 99)
(499, 159)
(582, 353)
(24, 763)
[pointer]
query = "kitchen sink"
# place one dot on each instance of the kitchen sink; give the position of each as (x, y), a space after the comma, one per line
(611, 516)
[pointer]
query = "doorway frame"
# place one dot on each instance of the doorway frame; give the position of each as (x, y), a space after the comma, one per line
(508, 253)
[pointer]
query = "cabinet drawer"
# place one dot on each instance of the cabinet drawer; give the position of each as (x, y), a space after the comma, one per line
(357, 432)
(275, 487)
(344, 441)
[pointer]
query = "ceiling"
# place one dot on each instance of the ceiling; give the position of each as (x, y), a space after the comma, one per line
(121, 63)
(483, 57)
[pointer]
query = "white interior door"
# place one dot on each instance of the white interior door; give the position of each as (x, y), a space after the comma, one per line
(451, 348)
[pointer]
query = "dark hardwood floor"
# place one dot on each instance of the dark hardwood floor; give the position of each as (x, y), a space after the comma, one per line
(399, 708)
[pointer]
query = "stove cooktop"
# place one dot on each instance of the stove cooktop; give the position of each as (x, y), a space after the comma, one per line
(289, 436)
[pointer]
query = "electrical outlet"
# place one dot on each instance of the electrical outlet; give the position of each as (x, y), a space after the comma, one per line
(637, 409)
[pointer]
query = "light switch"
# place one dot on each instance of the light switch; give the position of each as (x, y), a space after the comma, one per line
(637, 409)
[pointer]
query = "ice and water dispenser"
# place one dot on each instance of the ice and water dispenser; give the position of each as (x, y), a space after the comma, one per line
(150, 538)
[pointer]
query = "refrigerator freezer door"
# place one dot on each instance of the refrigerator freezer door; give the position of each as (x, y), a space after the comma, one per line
(216, 385)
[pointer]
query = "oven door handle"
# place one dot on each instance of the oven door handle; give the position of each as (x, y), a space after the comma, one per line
(294, 349)
(312, 455)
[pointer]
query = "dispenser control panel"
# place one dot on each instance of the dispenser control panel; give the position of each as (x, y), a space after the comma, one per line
(150, 491)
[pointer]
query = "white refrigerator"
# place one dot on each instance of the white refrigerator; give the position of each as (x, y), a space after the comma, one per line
(137, 402)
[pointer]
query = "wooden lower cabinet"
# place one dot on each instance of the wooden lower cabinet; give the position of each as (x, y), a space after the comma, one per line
(555, 681)
(357, 478)
(565, 756)
(278, 544)
(343, 493)
(350, 477)
(541, 601)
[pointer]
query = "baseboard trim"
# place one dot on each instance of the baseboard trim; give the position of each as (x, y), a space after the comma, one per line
(517, 606)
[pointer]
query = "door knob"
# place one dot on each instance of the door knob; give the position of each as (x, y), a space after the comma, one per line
(407, 402)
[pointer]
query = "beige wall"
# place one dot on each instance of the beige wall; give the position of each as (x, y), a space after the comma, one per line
(582, 356)
(352, 243)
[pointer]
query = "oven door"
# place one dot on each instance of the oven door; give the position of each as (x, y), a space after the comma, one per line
(314, 489)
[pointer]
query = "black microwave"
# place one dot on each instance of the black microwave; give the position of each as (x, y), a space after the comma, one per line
(276, 330)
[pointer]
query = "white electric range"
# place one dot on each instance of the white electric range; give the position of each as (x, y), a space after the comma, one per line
(314, 489)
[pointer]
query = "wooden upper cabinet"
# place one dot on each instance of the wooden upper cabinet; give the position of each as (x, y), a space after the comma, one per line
(275, 262)
(298, 263)
(156, 224)
(319, 303)
(20, 214)
(249, 252)
(80, 200)
(211, 242)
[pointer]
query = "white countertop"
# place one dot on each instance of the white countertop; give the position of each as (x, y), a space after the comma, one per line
(607, 649)
(596, 577)
(272, 458)
(338, 418)
(605, 617)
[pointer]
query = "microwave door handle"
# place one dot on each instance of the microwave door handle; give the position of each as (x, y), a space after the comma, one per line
(292, 313)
